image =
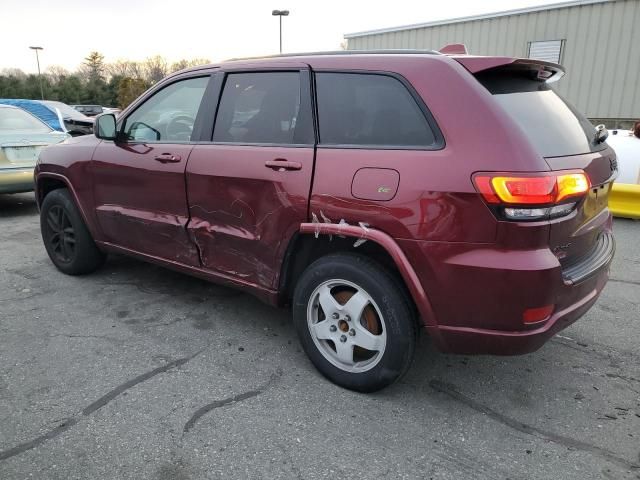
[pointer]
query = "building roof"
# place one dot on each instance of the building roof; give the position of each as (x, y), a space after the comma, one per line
(505, 13)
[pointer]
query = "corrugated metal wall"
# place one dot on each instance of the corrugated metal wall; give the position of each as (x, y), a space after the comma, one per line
(601, 51)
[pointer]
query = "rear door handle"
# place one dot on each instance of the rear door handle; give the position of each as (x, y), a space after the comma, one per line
(280, 164)
(168, 158)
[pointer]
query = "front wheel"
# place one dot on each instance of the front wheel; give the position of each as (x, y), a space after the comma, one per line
(66, 237)
(354, 321)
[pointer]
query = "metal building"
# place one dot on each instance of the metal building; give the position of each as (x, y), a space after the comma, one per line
(597, 41)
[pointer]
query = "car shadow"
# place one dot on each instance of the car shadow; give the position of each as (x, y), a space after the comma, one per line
(18, 205)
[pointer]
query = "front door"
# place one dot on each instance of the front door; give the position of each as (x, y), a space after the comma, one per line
(248, 188)
(139, 183)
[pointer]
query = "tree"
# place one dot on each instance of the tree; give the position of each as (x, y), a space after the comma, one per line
(95, 82)
(56, 72)
(130, 89)
(70, 89)
(155, 69)
(94, 65)
(95, 91)
(113, 89)
(182, 64)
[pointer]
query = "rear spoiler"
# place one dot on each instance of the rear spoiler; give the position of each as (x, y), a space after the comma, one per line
(547, 71)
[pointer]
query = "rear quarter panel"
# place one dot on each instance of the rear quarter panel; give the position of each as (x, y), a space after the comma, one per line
(436, 200)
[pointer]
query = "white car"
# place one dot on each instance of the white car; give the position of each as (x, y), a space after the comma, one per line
(627, 148)
(624, 198)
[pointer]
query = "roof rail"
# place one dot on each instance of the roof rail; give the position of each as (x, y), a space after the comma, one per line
(391, 51)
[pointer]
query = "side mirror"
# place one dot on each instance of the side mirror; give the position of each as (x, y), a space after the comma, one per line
(105, 126)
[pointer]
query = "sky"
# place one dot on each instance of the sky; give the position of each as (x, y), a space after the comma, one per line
(136, 29)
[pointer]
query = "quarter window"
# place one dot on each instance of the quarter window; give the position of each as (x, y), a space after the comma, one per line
(260, 108)
(169, 115)
(369, 109)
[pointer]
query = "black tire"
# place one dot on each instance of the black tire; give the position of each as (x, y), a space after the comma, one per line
(390, 300)
(65, 235)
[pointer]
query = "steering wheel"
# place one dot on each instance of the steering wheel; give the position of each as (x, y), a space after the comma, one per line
(180, 127)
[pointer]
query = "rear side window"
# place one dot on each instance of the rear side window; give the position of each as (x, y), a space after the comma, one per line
(369, 109)
(552, 124)
(261, 108)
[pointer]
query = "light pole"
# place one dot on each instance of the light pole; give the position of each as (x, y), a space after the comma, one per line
(39, 75)
(280, 13)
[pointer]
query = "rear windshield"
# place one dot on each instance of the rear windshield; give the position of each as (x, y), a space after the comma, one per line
(554, 126)
(17, 121)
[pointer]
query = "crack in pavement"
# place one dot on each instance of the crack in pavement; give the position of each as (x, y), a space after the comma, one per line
(517, 425)
(73, 335)
(628, 282)
(93, 407)
(229, 400)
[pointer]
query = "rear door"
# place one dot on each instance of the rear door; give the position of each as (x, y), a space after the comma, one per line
(567, 141)
(139, 183)
(248, 188)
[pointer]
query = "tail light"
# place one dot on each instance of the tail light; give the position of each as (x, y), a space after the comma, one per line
(533, 197)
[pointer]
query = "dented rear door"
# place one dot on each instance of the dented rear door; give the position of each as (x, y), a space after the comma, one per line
(248, 188)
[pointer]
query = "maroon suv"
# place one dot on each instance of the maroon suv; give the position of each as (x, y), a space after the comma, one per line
(377, 193)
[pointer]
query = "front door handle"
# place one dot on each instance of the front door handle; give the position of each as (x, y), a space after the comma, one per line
(280, 164)
(168, 158)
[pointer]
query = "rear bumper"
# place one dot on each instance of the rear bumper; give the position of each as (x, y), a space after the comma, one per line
(497, 342)
(16, 180)
(479, 293)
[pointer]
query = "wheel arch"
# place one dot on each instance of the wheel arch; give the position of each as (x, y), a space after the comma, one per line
(314, 240)
(46, 182)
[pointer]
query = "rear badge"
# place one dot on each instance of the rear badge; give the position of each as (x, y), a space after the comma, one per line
(383, 189)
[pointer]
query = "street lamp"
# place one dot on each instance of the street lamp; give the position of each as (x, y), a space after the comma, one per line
(39, 75)
(280, 13)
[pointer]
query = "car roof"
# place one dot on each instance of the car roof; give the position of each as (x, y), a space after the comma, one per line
(313, 57)
(373, 59)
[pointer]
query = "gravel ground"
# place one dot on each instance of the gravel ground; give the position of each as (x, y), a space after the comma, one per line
(139, 372)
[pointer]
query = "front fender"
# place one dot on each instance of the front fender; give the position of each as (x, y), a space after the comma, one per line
(40, 177)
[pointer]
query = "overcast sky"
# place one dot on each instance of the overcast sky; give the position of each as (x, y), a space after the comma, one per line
(135, 29)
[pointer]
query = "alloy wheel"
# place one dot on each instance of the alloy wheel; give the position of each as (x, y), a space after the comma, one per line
(62, 238)
(346, 325)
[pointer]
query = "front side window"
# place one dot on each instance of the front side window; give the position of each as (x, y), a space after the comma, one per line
(259, 108)
(169, 115)
(369, 109)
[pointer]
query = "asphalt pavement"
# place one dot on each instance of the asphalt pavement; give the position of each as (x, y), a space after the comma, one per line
(137, 372)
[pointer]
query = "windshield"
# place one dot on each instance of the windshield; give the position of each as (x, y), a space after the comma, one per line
(553, 125)
(15, 120)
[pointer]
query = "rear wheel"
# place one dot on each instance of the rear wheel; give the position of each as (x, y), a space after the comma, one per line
(65, 236)
(354, 321)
